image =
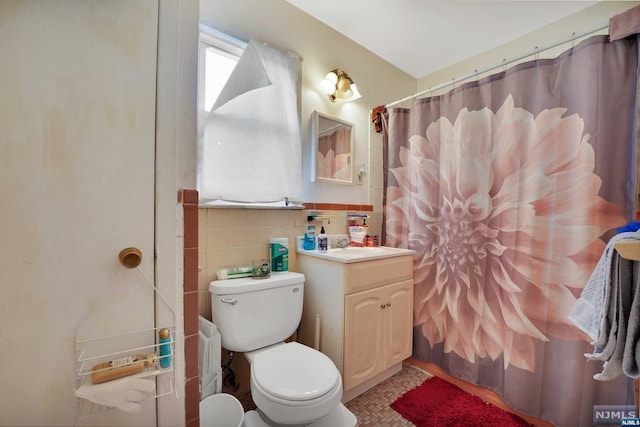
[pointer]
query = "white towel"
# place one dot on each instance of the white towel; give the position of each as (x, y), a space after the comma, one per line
(124, 393)
(209, 359)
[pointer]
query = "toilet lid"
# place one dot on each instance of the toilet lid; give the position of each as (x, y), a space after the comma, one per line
(294, 372)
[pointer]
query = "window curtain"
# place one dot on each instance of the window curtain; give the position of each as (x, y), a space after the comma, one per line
(251, 148)
(508, 188)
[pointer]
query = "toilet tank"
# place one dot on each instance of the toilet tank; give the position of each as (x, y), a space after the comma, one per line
(254, 313)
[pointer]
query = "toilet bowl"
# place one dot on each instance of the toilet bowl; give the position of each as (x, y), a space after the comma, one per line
(293, 384)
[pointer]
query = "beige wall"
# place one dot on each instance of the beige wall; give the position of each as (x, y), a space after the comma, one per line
(583, 21)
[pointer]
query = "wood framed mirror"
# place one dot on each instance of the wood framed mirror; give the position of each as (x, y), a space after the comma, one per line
(332, 150)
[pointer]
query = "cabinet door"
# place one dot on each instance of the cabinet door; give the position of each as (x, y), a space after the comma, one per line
(363, 346)
(398, 322)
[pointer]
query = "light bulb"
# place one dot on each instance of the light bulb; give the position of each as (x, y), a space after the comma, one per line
(329, 83)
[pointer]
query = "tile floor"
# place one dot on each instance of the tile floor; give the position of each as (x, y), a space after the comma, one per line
(372, 407)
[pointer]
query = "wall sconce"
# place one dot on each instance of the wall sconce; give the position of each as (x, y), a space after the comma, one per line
(338, 85)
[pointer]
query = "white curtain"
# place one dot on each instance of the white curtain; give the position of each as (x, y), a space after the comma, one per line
(251, 149)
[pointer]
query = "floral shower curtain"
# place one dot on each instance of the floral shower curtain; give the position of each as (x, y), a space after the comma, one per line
(507, 189)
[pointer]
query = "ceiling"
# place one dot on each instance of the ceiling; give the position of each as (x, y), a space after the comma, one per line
(424, 36)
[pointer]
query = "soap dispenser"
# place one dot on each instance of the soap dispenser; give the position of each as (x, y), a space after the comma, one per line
(309, 242)
(323, 242)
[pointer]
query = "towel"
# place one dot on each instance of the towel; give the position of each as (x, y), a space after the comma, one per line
(124, 393)
(613, 357)
(589, 311)
(376, 117)
(631, 356)
(624, 24)
(209, 358)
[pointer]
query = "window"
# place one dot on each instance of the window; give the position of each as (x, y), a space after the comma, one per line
(249, 147)
(218, 55)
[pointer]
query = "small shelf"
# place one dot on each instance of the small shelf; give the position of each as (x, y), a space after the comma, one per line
(90, 352)
(315, 215)
(356, 216)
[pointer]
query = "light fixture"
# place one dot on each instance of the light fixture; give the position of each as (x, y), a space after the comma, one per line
(338, 85)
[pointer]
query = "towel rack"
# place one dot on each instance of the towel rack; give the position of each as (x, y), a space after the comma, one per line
(631, 250)
(628, 249)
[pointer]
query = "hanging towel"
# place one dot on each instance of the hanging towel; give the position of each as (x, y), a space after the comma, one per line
(606, 350)
(590, 310)
(209, 358)
(376, 117)
(615, 347)
(123, 393)
(631, 356)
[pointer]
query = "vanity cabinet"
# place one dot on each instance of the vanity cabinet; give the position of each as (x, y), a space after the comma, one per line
(378, 331)
(360, 314)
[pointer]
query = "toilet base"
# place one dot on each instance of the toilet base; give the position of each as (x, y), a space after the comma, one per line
(339, 417)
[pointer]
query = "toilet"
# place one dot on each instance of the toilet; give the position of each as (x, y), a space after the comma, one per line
(291, 384)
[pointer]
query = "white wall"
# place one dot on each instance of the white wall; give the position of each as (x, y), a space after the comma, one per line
(583, 21)
(322, 49)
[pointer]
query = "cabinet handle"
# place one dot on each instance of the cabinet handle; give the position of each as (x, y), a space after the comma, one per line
(388, 304)
(382, 305)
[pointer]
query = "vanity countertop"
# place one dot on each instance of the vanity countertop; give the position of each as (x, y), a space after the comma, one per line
(357, 254)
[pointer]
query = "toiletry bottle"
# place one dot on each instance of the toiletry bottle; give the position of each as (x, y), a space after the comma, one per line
(323, 242)
(165, 348)
(279, 250)
(310, 238)
(308, 243)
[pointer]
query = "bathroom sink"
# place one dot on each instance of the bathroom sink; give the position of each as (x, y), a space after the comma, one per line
(357, 254)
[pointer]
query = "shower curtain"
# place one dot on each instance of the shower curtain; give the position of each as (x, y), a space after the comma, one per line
(508, 188)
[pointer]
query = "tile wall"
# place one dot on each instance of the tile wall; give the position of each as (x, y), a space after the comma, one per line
(189, 201)
(231, 237)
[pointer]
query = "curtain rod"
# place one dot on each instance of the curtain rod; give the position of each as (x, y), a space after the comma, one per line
(504, 62)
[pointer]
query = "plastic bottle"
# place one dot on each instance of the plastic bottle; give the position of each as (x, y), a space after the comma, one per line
(309, 242)
(165, 348)
(323, 242)
(279, 248)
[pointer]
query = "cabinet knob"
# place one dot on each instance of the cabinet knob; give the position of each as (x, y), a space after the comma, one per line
(382, 305)
(388, 304)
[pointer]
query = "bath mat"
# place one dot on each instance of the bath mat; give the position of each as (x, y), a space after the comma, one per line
(437, 402)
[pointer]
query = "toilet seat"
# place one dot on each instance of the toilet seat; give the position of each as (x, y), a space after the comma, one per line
(301, 384)
(294, 372)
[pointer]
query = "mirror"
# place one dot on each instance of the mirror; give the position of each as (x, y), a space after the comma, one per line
(331, 154)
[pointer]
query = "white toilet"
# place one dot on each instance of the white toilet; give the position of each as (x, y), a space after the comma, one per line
(291, 384)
